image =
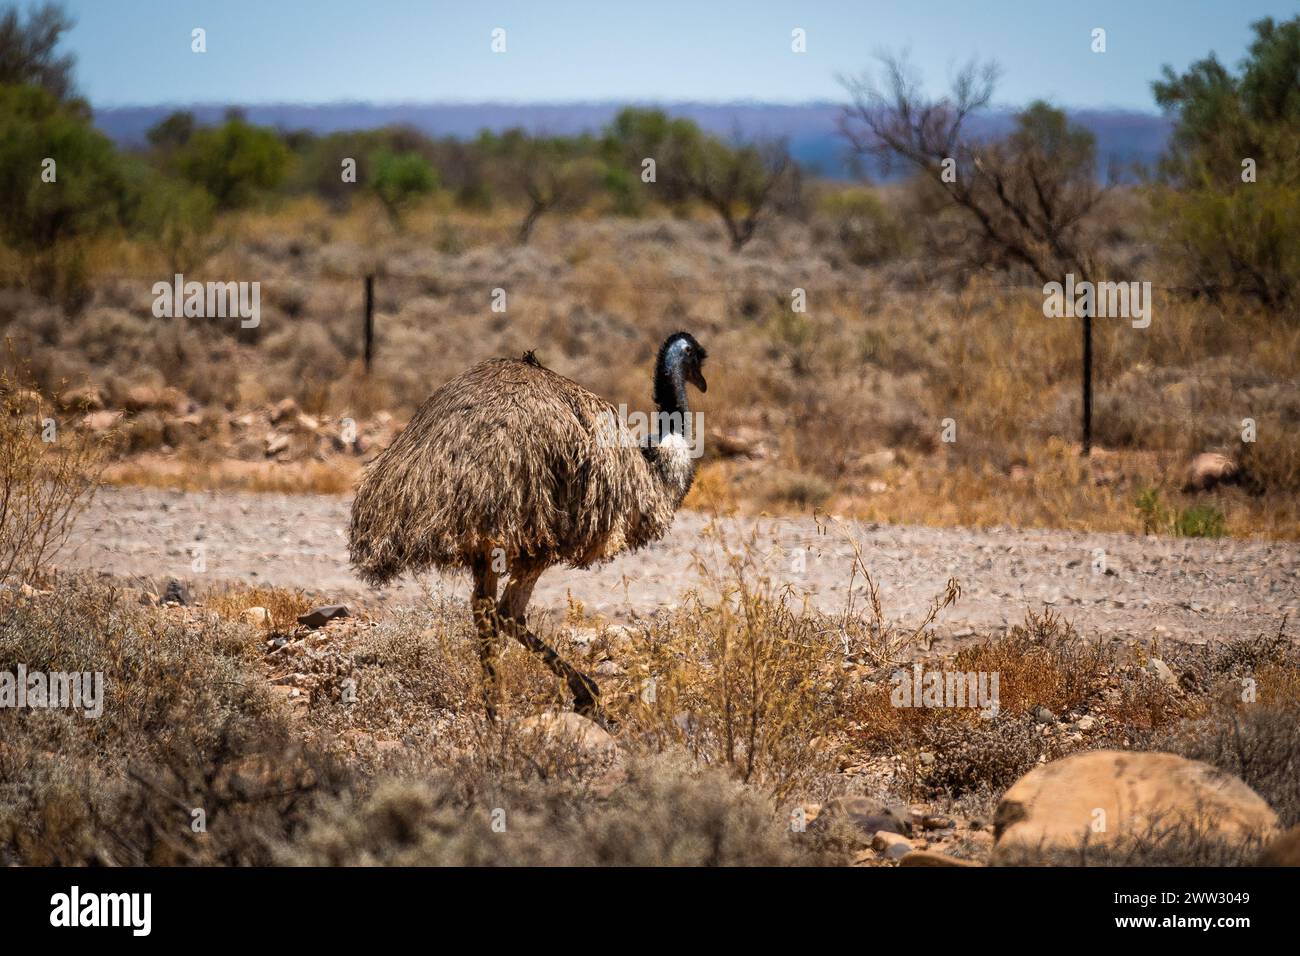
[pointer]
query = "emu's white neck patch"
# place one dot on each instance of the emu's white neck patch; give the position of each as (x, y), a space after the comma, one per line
(675, 461)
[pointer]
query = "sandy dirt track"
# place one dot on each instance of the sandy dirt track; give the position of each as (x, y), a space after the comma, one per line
(1187, 589)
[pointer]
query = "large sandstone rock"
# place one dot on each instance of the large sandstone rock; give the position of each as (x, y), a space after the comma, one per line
(1111, 798)
(1284, 851)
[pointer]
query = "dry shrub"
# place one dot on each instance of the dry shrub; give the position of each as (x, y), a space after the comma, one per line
(1248, 725)
(1041, 662)
(974, 754)
(665, 811)
(185, 725)
(44, 485)
(283, 604)
(745, 683)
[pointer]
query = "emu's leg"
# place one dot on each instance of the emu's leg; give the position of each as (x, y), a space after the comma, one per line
(511, 611)
(483, 604)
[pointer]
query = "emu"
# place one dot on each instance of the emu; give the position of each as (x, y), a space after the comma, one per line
(510, 469)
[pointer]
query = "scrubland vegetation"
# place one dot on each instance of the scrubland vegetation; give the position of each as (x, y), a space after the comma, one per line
(367, 743)
(922, 383)
(911, 314)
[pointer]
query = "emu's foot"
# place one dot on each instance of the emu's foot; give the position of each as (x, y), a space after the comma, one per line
(586, 701)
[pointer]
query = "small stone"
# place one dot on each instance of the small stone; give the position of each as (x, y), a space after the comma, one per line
(1042, 715)
(608, 668)
(890, 845)
(570, 730)
(285, 409)
(936, 822)
(1085, 723)
(868, 816)
(1162, 670)
(255, 615)
(99, 422)
(320, 616)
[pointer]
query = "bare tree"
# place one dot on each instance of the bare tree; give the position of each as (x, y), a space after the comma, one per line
(551, 177)
(1023, 199)
(739, 183)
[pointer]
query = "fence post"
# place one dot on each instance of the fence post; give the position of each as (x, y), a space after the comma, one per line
(370, 320)
(1087, 385)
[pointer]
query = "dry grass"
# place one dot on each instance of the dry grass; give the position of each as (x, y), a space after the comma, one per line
(730, 710)
(882, 357)
(47, 478)
(283, 605)
(334, 477)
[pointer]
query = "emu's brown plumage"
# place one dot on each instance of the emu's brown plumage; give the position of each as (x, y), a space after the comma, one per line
(507, 456)
(512, 465)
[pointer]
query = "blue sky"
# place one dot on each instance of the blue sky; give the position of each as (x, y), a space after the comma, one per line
(137, 52)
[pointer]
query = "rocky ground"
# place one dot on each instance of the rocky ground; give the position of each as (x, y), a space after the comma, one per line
(1120, 586)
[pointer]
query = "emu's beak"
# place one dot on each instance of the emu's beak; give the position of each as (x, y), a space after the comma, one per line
(696, 378)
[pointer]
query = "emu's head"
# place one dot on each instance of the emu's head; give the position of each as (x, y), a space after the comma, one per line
(681, 359)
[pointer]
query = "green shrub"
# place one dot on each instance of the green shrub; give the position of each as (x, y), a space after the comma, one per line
(1200, 521)
(1226, 231)
(177, 219)
(234, 162)
(90, 189)
(399, 179)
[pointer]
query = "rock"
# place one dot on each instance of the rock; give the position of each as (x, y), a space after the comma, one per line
(1162, 670)
(608, 668)
(1110, 797)
(1284, 851)
(931, 858)
(84, 398)
(1085, 723)
(891, 845)
(868, 816)
(138, 398)
(100, 422)
(1208, 470)
(276, 442)
(933, 821)
(570, 730)
(320, 616)
(176, 593)
(255, 615)
(287, 409)
(1042, 715)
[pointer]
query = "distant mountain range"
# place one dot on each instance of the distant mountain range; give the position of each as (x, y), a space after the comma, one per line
(1123, 137)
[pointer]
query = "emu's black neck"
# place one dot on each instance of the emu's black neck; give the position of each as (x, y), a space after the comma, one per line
(670, 396)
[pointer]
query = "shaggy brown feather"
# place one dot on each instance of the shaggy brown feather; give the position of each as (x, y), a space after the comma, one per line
(509, 455)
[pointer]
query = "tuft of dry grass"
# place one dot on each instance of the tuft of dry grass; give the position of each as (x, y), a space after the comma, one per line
(47, 477)
(283, 605)
(334, 477)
